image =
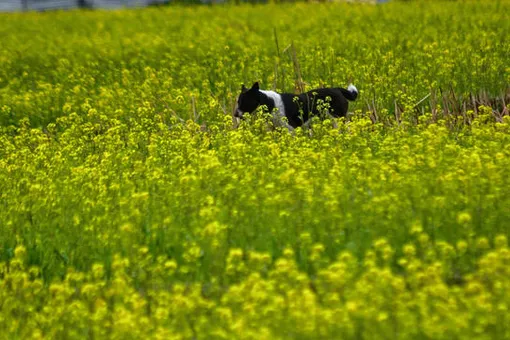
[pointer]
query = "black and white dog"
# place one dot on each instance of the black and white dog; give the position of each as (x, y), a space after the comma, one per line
(297, 108)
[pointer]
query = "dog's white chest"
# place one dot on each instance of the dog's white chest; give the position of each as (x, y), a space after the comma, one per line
(278, 102)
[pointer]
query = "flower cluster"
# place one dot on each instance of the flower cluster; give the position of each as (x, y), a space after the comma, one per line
(261, 298)
(132, 207)
(118, 229)
(192, 65)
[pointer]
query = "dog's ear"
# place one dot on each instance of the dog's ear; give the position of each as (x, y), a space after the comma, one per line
(255, 86)
(243, 88)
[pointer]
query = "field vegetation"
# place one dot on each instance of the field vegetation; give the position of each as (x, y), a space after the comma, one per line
(133, 206)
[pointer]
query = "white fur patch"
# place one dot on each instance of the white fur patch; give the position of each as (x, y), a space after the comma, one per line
(278, 102)
(352, 88)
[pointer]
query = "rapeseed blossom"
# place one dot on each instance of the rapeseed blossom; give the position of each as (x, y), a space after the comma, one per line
(133, 207)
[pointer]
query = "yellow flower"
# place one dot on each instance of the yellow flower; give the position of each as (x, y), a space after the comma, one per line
(462, 246)
(464, 218)
(500, 242)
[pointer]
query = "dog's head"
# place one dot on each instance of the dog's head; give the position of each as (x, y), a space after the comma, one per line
(248, 100)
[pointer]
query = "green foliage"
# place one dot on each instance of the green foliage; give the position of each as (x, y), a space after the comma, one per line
(62, 62)
(131, 207)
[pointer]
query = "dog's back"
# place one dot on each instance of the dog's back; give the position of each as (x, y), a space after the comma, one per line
(299, 108)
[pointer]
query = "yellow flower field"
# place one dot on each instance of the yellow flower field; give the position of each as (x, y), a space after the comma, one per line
(132, 206)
